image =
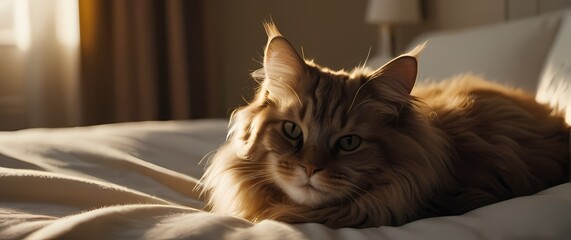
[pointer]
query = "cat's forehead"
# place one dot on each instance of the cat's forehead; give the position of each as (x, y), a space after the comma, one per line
(328, 83)
(327, 99)
(355, 73)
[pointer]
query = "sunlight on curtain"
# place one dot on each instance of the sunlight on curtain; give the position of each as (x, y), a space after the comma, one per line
(14, 23)
(51, 62)
(67, 33)
(22, 24)
(67, 22)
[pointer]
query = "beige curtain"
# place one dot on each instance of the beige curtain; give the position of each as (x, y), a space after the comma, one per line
(39, 72)
(143, 60)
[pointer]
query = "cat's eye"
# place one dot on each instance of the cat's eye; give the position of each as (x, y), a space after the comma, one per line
(349, 142)
(292, 130)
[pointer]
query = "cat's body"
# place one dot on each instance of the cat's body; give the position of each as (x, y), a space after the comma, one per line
(359, 149)
(504, 143)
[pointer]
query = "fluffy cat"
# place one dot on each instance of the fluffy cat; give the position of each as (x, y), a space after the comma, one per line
(363, 148)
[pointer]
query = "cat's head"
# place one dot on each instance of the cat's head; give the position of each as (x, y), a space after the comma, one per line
(323, 136)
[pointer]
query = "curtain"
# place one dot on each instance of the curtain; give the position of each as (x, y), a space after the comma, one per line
(40, 66)
(143, 60)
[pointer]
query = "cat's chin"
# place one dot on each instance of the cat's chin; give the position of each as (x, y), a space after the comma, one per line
(305, 193)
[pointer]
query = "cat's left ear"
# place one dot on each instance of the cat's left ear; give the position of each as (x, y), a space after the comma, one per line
(399, 74)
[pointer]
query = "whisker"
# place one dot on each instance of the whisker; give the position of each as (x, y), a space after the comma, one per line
(368, 55)
(257, 184)
(362, 192)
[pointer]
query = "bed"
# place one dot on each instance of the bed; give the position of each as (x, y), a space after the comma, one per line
(135, 180)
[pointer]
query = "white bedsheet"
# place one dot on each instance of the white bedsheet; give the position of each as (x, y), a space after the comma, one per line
(135, 180)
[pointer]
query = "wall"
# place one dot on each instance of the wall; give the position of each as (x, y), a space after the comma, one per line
(452, 15)
(333, 32)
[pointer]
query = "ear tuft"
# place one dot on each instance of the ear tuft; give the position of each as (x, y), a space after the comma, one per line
(416, 51)
(271, 30)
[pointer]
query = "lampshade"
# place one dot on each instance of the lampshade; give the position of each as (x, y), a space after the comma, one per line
(393, 11)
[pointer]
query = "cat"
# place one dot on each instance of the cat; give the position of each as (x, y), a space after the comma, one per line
(366, 148)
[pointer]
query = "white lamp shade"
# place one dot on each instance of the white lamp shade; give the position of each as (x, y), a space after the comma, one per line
(393, 11)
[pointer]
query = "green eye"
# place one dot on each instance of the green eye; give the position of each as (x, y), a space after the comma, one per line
(349, 142)
(291, 130)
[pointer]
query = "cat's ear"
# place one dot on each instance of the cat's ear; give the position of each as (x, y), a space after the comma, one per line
(281, 60)
(399, 74)
(283, 67)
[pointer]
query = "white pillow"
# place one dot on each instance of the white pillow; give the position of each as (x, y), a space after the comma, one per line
(511, 53)
(555, 81)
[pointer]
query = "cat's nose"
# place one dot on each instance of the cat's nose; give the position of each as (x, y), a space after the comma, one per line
(310, 169)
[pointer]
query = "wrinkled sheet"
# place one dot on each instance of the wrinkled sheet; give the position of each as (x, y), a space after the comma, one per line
(135, 181)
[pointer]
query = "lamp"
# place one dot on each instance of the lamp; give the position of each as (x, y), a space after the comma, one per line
(387, 13)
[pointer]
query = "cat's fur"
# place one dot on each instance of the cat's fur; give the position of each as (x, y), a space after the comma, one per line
(443, 149)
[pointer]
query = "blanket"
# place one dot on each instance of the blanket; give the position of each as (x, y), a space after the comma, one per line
(136, 180)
